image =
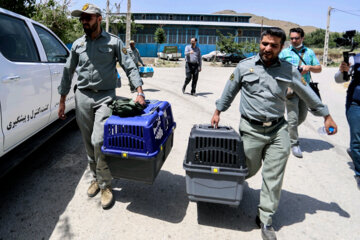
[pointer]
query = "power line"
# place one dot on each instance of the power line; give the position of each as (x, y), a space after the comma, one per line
(358, 15)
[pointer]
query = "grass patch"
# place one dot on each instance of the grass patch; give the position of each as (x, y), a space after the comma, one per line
(166, 63)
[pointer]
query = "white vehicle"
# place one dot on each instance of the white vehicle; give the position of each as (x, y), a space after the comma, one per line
(212, 55)
(32, 59)
(169, 53)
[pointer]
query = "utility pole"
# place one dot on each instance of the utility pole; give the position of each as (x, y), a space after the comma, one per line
(107, 15)
(117, 5)
(326, 44)
(128, 24)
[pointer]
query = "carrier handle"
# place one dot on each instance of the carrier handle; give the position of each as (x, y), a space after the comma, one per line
(153, 109)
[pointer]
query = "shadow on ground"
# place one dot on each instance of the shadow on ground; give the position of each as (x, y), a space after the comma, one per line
(165, 199)
(312, 145)
(38, 191)
(292, 209)
(203, 94)
(151, 90)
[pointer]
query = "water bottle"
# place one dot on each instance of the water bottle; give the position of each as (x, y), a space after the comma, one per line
(322, 130)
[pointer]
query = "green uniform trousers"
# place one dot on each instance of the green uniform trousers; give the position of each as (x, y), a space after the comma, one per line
(296, 115)
(270, 147)
(91, 113)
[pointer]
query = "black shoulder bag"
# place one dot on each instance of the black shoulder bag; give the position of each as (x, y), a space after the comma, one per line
(312, 84)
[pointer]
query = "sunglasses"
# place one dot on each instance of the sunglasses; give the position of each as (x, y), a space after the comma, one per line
(86, 18)
(294, 38)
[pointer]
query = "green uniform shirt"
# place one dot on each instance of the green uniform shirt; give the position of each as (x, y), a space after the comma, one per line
(95, 64)
(263, 90)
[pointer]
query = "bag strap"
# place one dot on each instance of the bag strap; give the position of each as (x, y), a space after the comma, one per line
(301, 60)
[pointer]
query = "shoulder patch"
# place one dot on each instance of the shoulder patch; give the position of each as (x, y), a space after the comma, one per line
(232, 76)
(124, 50)
(303, 80)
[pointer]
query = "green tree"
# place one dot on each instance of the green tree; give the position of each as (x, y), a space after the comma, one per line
(55, 16)
(317, 38)
(228, 44)
(23, 7)
(160, 35)
(118, 25)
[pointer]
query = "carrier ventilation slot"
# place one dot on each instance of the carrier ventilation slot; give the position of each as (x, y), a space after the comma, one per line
(219, 143)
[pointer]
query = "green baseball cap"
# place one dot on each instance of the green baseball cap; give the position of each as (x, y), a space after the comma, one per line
(87, 8)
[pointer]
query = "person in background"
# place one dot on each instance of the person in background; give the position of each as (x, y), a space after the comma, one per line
(352, 107)
(192, 65)
(296, 107)
(135, 54)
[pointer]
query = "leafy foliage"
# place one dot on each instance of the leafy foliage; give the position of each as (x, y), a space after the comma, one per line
(117, 25)
(228, 44)
(23, 7)
(160, 35)
(317, 38)
(55, 16)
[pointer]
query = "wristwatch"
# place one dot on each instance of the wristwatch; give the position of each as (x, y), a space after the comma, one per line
(141, 94)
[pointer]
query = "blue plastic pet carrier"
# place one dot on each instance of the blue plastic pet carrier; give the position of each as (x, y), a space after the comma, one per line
(136, 147)
(146, 72)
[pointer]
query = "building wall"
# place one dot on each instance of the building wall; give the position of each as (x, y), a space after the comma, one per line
(178, 35)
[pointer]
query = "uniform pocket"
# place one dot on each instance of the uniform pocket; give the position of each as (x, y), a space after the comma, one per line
(251, 82)
(105, 54)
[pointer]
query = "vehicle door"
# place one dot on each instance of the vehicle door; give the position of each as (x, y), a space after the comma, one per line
(56, 55)
(25, 82)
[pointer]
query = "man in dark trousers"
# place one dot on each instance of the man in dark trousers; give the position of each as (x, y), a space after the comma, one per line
(193, 65)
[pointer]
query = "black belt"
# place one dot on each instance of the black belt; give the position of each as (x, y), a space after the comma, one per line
(264, 124)
(94, 90)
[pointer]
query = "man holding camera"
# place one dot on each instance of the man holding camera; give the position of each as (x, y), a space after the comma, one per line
(305, 59)
(352, 107)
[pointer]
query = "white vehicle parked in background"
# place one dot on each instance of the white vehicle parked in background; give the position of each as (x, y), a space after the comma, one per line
(212, 55)
(32, 59)
(169, 53)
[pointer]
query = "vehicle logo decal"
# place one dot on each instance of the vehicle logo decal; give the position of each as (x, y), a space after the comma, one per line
(27, 117)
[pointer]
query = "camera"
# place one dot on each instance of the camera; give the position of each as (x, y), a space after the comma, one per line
(347, 40)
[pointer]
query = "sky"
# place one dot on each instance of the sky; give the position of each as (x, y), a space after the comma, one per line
(304, 13)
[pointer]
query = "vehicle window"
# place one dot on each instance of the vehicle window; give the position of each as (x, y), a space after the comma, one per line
(16, 42)
(55, 51)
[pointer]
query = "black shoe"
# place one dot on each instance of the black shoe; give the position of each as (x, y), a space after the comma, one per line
(267, 232)
(193, 93)
(183, 89)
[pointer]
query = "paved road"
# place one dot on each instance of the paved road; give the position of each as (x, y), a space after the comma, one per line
(46, 197)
